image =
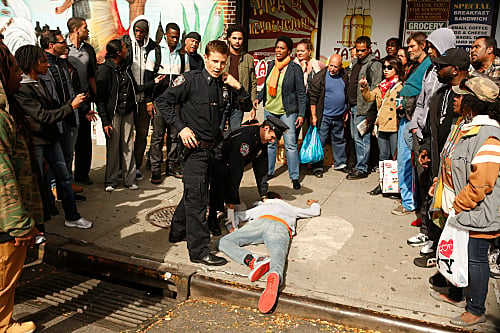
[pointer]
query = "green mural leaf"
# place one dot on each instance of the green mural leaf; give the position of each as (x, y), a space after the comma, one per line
(211, 29)
(196, 18)
(185, 20)
(220, 31)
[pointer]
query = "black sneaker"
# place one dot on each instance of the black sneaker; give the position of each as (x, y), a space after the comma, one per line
(296, 184)
(356, 174)
(425, 262)
(318, 174)
(156, 178)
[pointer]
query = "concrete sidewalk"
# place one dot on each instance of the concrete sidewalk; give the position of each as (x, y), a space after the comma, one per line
(354, 254)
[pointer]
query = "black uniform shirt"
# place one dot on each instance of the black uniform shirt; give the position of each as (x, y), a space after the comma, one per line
(239, 149)
(201, 104)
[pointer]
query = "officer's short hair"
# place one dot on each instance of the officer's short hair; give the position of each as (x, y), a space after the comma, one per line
(216, 46)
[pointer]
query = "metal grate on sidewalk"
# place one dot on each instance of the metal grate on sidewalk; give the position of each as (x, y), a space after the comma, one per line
(161, 217)
(94, 301)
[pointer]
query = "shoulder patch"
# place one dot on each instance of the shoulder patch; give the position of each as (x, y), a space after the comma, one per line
(178, 81)
(244, 149)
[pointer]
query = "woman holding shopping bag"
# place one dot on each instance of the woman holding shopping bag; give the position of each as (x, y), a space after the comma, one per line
(468, 188)
(284, 96)
(386, 96)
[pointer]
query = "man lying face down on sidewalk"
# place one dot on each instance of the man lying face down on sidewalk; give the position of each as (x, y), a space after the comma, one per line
(272, 222)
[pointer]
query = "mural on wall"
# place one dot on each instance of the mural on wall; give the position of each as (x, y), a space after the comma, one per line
(268, 20)
(108, 19)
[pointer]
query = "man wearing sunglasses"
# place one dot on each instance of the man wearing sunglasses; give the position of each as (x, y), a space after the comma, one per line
(365, 66)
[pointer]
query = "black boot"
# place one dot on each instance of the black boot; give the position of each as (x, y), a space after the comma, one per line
(376, 191)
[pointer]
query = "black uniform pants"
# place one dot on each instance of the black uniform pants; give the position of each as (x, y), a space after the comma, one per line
(190, 216)
(83, 147)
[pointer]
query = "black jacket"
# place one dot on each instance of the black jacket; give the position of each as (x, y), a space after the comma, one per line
(107, 90)
(42, 111)
(201, 103)
(240, 148)
(438, 126)
(317, 91)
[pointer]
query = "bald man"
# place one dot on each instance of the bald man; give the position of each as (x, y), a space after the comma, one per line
(328, 96)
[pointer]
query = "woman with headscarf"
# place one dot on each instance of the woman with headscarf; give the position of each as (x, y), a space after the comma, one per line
(284, 96)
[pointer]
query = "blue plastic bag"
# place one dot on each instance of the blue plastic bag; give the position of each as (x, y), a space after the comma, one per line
(312, 150)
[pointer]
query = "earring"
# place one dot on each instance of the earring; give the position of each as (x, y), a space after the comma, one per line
(468, 117)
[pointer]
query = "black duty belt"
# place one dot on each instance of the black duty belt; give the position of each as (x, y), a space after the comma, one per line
(206, 144)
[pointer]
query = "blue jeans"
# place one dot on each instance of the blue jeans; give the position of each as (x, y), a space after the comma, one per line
(273, 234)
(292, 154)
(406, 176)
(387, 145)
(55, 158)
(479, 275)
(335, 127)
(68, 141)
(361, 143)
(235, 116)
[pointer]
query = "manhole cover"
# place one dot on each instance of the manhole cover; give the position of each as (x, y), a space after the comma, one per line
(161, 217)
(93, 301)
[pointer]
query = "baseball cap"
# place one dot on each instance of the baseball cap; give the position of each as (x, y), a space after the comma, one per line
(453, 57)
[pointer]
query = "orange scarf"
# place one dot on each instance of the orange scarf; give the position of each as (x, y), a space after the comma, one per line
(275, 74)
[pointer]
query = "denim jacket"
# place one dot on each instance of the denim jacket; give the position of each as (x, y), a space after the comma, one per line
(293, 89)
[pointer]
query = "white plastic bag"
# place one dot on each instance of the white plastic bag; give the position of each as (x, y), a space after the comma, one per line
(388, 176)
(452, 257)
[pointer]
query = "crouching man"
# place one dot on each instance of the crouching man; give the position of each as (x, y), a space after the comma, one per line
(272, 223)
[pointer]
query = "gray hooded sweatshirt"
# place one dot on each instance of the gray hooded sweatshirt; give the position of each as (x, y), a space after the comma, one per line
(442, 39)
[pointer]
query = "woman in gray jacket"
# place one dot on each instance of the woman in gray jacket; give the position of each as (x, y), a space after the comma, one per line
(468, 189)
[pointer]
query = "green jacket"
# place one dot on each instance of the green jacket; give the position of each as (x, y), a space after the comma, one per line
(20, 201)
(246, 72)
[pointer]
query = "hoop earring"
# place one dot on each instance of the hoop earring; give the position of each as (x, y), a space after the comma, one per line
(468, 117)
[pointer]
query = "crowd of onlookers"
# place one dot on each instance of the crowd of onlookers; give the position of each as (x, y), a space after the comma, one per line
(430, 106)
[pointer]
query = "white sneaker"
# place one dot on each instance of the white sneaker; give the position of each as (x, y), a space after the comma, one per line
(418, 240)
(40, 239)
(427, 249)
(109, 188)
(138, 175)
(339, 167)
(133, 187)
(81, 223)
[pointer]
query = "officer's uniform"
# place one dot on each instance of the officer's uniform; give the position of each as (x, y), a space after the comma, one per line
(239, 149)
(202, 104)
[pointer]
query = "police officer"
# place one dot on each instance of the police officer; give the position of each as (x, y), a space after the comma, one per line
(199, 94)
(244, 145)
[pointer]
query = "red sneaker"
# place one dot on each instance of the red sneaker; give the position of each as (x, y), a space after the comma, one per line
(417, 223)
(258, 267)
(268, 297)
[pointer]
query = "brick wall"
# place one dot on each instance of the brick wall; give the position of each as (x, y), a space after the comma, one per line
(229, 11)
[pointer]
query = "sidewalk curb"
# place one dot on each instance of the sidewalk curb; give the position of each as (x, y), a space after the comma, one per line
(189, 283)
(207, 288)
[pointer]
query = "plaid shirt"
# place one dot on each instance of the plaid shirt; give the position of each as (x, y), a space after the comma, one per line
(494, 70)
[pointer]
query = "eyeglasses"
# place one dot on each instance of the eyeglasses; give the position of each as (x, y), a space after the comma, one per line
(362, 50)
(63, 42)
(441, 66)
(388, 67)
